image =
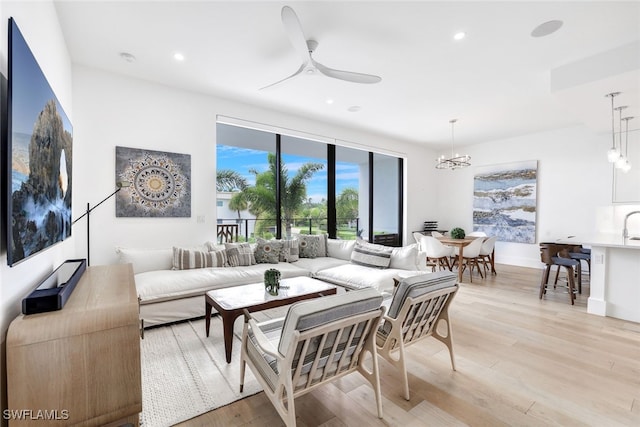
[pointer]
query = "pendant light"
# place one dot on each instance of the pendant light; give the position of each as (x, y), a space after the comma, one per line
(621, 158)
(613, 153)
(626, 166)
(455, 161)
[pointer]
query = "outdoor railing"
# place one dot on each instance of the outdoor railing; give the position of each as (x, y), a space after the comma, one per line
(347, 230)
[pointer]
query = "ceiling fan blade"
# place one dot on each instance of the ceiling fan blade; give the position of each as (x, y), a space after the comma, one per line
(302, 67)
(346, 75)
(294, 31)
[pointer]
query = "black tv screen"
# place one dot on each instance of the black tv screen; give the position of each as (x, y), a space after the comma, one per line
(39, 152)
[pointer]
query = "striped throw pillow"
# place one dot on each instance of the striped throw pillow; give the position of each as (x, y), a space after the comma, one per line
(240, 254)
(371, 255)
(185, 259)
(290, 251)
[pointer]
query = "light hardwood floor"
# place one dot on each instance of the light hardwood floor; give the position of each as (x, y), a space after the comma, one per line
(520, 362)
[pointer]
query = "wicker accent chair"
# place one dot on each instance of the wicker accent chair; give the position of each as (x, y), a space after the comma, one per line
(418, 306)
(318, 341)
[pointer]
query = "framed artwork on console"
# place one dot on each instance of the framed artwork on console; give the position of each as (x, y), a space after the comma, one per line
(159, 183)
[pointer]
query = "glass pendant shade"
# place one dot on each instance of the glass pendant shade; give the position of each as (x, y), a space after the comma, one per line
(626, 167)
(613, 154)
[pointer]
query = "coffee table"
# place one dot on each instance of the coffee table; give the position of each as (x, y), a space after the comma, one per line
(231, 302)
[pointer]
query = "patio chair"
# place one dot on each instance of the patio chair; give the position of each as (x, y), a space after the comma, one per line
(318, 341)
(418, 306)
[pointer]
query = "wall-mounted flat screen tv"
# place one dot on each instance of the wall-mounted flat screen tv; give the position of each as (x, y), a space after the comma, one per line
(39, 153)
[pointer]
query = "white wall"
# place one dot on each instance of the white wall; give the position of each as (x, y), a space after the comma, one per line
(113, 110)
(574, 186)
(38, 23)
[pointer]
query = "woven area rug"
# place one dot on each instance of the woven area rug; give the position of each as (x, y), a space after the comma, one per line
(185, 374)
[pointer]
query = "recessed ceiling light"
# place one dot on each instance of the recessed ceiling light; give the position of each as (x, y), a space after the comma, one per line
(459, 36)
(329, 101)
(546, 28)
(354, 108)
(178, 56)
(127, 56)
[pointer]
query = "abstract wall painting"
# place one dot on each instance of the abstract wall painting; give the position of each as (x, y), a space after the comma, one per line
(159, 183)
(504, 201)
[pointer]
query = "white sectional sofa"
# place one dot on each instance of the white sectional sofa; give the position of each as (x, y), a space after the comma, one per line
(168, 294)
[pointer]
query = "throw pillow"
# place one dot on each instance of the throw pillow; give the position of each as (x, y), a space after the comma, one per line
(290, 251)
(405, 258)
(144, 260)
(371, 255)
(340, 249)
(185, 259)
(240, 254)
(213, 246)
(309, 245)
(268, 251)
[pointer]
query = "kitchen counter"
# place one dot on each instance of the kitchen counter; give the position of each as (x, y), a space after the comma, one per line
(615, 275)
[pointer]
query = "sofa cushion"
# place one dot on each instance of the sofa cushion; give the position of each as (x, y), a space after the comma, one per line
(184, 259)
(146, 259)
(268, 251)
(164, 285)
(320, 263)
(371, 255)
(240, 254)
(355, 276)
(340, 249)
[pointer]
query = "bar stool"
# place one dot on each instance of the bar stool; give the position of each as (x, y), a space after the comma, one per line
(579, 253)
(554, 254)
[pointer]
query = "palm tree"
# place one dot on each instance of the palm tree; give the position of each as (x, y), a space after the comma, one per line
(228, 180)
(347, 204)
(262, 196)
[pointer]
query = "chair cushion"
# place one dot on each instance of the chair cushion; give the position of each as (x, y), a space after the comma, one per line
(567, 262)
(305, 315)
(419, 285)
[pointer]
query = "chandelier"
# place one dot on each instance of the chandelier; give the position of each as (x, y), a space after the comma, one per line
(453, 162)
(618, 154)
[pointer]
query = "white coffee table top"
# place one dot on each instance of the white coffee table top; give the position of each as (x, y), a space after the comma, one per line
(242, 296)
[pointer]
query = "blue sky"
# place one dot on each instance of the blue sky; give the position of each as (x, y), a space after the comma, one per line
(31, 91)
(243, 159)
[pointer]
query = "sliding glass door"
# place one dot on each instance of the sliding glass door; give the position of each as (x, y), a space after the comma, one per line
(275, 185)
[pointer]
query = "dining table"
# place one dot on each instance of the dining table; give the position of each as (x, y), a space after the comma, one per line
(460, 244)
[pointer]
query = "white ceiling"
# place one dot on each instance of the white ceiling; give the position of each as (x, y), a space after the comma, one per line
(497, 81)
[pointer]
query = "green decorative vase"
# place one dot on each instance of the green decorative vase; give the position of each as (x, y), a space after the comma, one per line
(272, 281)
(457, 233)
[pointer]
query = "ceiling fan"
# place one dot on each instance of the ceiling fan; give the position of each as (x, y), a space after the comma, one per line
(306, 48)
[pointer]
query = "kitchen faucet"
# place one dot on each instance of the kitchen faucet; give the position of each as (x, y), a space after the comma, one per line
(625, 232)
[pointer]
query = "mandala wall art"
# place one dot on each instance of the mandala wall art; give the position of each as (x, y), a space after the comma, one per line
(159, 183)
